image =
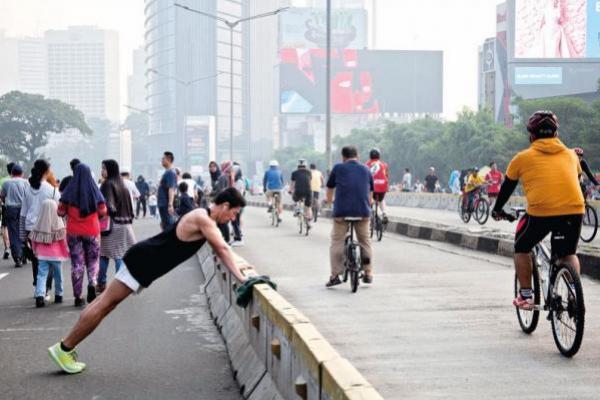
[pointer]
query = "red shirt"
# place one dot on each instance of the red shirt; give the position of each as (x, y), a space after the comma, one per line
(82, 226)
(496, 178)
(379, 170)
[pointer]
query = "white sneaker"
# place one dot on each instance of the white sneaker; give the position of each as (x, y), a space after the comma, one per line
(237, 243)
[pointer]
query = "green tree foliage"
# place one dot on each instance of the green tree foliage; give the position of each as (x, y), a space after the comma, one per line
(26, 121)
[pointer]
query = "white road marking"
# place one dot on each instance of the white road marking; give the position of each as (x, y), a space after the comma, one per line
(3, 275)
(29, 329)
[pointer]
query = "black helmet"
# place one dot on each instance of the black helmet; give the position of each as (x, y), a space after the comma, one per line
(543, 124)
(374, 154)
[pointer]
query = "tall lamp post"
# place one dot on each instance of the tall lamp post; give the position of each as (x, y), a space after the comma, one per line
(231, 25)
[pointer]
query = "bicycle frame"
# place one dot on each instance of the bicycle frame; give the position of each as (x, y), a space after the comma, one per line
(541, 255)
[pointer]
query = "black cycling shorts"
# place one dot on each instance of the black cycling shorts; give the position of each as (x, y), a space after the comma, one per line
(379, 196)
(306, 196)
(565, 233)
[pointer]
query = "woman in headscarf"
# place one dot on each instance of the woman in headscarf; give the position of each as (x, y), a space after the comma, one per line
(83, 205)
(225, 181)
(215, 173)
(115, 243)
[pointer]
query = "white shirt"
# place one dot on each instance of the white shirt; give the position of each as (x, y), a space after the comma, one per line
(133, 190)
(406, 180)
(192, 187)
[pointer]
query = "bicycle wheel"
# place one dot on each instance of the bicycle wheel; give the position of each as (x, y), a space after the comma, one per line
(590, 219)
(379, 227)
(464, 214)
(529, 319)
(567, 310)
(372, 225)
(482, 211)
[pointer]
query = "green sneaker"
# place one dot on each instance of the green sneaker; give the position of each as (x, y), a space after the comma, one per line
(67, 361)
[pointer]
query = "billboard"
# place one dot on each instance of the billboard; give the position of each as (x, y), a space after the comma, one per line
(362, 81)
(559, 29)
(305, 28)
(200, 136)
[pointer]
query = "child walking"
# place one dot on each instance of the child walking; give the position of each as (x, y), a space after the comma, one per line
(49, 244)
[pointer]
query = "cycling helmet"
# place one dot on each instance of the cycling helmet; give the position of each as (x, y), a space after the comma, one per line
(374, 154)
(543, 124)
(273, 163)
(578, 151)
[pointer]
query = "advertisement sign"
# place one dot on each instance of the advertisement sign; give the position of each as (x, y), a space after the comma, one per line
(200, 142)
(362, 81)
(538, 76)
(489, 55)
(564, 29)
(305, 28)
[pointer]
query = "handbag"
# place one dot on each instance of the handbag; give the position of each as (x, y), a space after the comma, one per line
(105, 226)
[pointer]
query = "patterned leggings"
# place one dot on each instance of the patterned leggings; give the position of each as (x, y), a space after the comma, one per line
(85, 253)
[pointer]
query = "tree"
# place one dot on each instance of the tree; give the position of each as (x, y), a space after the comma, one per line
(26, 121)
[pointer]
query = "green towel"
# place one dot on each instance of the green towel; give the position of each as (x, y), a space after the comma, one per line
(244, 292)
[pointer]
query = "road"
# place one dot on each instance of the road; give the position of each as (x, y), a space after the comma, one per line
(161, 344)
(436, 324)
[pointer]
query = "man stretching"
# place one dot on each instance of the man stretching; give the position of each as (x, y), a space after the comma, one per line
(150, 259)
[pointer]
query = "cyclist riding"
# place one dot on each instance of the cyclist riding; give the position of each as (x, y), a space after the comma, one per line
(549, 172)
(273, 184)
(380, 173)
(474, 184)
(585, 168)
(300, 189)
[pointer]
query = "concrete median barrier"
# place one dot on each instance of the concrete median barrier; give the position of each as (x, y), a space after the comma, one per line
(275, 351)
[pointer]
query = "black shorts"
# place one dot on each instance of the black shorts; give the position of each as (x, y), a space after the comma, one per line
(565, 233)
(306, 196)
(379, 196)
(3, 223)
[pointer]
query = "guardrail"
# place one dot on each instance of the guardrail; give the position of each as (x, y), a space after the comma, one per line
(275, 351)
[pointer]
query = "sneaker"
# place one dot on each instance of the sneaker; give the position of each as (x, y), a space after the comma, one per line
(333, 281)
(523, 303)
(367, 278)
(18, 264)
(279, 220)
(79, 302)
(67, 361)
(39, 302)
(47, 297)
(6, 255)
(91, 294)
(237, 243)
(58, 299)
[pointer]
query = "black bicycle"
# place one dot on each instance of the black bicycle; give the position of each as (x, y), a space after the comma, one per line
(353, 262)
(560, 285)
(377, 225)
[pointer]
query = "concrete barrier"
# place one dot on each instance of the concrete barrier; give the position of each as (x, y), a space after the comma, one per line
(275, 351)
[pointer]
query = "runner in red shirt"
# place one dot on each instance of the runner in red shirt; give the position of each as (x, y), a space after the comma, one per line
(494, 178)
(380, 173)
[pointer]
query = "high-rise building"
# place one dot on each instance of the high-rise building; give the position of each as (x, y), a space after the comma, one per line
(24, 65)
(83, 70)
(136, 82)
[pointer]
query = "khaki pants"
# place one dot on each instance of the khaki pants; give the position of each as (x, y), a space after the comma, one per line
(338, 234)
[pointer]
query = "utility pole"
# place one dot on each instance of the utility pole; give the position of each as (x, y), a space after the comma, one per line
(328, 93)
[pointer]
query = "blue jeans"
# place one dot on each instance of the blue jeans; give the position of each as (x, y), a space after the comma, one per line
(104, 268)
(166, 219)
(12, 223)
(44, 267)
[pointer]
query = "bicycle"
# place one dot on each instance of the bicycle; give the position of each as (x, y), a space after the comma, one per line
(377, 225)
(303, 222)
(352, 259)
(275, 220)
(562, 293)
(480, 209)
(590, 219)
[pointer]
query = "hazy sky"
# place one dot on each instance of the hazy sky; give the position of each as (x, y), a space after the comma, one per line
(457, 27)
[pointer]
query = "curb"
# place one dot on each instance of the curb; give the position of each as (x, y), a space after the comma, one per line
(275, 351)
(492, 244)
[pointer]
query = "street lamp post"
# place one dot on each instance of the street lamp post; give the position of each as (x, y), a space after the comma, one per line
(231, 25)
(328, 93)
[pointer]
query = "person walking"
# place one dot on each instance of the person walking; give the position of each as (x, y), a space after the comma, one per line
(186, 202)
(152, 201)
(49, 244)
(353, 185)
(431, 180)
(131, 187)
(39, 190)
(240, 184)
(3, 226)
(144, 189)
(83, 205)
(225, 181)
(215, 173)
(167, 189)
(494, 179)
(407, 180)
(120, 238)
(12, 194)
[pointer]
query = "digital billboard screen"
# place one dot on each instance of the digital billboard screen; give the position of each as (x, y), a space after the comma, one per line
(560, 29)
(362, 81)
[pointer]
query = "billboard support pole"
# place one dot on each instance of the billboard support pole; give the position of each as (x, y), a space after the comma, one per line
(328, 93)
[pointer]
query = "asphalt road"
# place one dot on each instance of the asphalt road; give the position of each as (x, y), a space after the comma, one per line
(436, 324)
(161, 344)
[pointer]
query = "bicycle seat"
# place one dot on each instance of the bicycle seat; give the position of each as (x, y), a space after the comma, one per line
(353, 219)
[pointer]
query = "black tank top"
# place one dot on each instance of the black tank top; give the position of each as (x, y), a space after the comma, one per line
(150, 259)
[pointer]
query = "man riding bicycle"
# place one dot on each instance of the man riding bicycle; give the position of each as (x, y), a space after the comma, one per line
(301, 190)
(353, 186)
(273, 184)
(380, 173)
(549, 173)
(586, 169)
(474, 184)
